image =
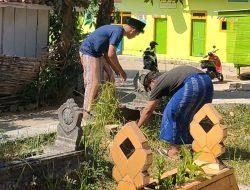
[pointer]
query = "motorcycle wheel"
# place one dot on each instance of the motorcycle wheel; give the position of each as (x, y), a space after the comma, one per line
(210, 74)
(220, 77)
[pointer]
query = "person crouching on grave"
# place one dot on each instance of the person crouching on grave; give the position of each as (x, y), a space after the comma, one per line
(99, 59)
(190, 89)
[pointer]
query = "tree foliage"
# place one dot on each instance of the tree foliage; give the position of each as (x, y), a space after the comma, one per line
(106, 8)
(152, 1)
(61, 67)
(99, 13)
(64, 26)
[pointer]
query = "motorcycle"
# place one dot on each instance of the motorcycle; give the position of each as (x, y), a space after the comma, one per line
(212, 64)
(149, 57)
(149, 64)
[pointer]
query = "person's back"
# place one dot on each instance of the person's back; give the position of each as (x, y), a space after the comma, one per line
(99, 59)
(189, 89)
(97, 43)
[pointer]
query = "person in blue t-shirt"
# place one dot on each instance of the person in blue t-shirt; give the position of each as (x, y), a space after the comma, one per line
(99, 59)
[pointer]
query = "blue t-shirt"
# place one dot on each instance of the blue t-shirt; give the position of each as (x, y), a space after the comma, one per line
(98, 42)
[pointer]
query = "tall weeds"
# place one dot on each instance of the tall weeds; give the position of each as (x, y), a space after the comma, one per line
(105, 112)
(188, 170)
(95, 139)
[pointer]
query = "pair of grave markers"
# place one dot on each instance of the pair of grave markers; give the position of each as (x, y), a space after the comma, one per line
(132, 154)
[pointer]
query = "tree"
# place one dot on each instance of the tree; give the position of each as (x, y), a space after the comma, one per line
(99, 13)
(106, 8)
(62, 28)
(152, 1)
(66, 13)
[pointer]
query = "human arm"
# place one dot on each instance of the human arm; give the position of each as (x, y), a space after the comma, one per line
(111, 65)
(147, 111)
(108, 71)
(114, 63)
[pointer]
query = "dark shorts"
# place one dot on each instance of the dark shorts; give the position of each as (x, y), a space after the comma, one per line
(180, 110)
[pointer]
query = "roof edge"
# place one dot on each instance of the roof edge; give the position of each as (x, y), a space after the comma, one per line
(25, 5)
(221, 11)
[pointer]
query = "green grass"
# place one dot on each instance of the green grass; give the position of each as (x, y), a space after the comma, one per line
(20, 149)
(96, 174)
(236, 118)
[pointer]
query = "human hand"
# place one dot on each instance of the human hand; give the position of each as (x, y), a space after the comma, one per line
(123, 76)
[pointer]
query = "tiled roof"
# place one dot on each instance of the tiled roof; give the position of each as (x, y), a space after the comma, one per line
(80, 3)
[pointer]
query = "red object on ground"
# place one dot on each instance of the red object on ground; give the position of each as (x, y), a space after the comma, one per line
(217, 61)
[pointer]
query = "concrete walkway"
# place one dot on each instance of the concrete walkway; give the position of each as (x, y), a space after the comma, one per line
(232, 90)
(27, 124)
(243, 187)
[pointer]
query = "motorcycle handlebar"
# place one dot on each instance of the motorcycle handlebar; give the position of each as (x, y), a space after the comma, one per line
(213, 51)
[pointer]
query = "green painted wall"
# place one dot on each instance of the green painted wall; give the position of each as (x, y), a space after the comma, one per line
(179, 22)
(238, 39)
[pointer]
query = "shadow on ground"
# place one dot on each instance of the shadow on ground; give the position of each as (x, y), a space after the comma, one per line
(12, 121)
(232, 95)
(236, 153)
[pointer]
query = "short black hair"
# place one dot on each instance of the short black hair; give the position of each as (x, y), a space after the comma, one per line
(151, 76)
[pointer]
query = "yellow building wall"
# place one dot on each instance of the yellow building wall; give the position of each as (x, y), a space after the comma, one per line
(179, 26)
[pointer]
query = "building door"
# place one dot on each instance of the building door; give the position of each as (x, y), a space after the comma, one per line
(198, 37)
(161, 35)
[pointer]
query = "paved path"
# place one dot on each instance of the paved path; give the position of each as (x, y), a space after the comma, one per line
(232, 90)
(222, 95)
(28, 124)
(44, 121)
(243, 187)
(134, 63)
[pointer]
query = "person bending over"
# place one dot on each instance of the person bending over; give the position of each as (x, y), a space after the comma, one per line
(190, 89)
(99, 59)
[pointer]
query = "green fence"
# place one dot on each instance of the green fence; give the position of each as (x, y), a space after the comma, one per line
(238, 40)
(238, 37)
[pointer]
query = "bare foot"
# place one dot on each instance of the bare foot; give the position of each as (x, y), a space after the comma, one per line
(173, 151)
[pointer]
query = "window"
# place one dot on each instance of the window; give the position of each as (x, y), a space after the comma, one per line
(199, 14)
(223, 25)
(120, 17)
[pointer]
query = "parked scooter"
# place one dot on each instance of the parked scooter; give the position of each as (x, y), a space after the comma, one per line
(149, 57)
(149, 64)
(212, 65)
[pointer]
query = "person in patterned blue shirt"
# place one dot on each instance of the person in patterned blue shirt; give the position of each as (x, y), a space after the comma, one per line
(189, 89)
